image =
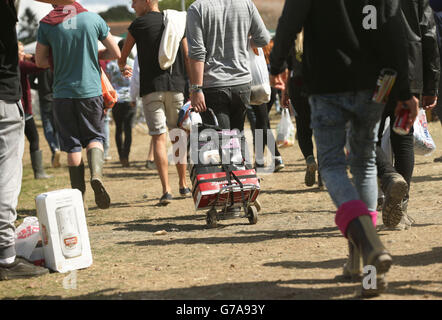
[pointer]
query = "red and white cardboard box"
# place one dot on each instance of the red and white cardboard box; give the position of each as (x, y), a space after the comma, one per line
(206, 190)
(63, 230)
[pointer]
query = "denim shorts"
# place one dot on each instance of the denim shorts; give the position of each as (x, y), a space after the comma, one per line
(79, 122)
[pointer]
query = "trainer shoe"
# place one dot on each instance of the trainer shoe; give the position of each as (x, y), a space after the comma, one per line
(21, 268)
(56, 159)
(107, 157)
(185, 191)
(310, 172)
(438, 159)
(166, 199)
(151, 165)
(405, 224)
(381, 200)
(259, 165)
(125, 162)
(321, 185)
(279, 165)
(406, 220)
(395, 189)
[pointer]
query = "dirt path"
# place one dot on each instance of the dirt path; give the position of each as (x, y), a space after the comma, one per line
(295, 251)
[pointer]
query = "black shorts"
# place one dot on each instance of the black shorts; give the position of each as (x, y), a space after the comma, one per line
(79, 122)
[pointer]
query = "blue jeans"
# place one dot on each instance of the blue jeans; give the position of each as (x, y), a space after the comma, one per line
(330, 113)
(47, 119)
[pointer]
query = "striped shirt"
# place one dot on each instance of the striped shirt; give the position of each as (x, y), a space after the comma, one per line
(217, 33)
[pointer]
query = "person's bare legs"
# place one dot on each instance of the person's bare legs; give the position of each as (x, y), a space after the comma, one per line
(150, 156)
(95, 162)
(74, 158)
(181, 169)
(161, 161)
(150, 162)
(179, 143)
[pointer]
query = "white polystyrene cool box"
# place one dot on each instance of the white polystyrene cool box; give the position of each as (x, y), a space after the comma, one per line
(63, 230)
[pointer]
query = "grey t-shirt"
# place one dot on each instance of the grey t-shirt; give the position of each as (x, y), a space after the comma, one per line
(217, 33)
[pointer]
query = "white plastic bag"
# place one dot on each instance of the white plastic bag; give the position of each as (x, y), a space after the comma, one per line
(347, 139)
(423, 142)
(386, 142)
(260, 88)
(187, 118)
(285, 131)
(27, 237)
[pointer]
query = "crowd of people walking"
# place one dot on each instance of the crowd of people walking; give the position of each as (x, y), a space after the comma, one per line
(325, 61)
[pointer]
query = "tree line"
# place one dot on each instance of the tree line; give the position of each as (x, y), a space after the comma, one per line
(29, 21)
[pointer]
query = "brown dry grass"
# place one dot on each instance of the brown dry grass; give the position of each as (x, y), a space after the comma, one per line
(270, 11)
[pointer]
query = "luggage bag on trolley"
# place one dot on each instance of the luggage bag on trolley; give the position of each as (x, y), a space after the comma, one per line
(219, 176)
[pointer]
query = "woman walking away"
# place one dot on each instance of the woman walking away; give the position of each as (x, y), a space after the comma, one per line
(124, 110)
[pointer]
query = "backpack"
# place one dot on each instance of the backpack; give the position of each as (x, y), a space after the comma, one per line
(174, 29)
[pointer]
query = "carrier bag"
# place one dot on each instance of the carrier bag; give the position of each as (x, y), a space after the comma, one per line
(110, 96)
(260, 87)
(187, 118)
(285, 130)
(386, 141)
(423, 142)
(214, 147)
(27, 236)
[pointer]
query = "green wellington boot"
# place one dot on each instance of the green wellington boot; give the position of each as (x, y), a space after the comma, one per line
(95, 160)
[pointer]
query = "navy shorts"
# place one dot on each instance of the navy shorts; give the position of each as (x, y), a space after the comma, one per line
(79, 122)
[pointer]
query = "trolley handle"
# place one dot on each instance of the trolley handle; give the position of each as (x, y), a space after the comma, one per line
(215, 119)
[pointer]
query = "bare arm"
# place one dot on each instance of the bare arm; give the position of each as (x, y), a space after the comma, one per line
(42, 56)
(127, 48)
(112, 51)
(186, 55)
(196, 77)
(196, 72)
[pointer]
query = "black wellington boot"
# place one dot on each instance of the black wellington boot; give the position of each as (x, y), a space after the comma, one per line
(362, 234)
(76, 175)
(352, 268)
(37, 165)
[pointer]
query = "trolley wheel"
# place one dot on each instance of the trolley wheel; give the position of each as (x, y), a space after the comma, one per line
(211, 219)
(258, 205)
(252, 215)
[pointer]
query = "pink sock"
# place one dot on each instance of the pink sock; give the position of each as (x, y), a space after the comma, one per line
(374, 217)
(349, 211)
